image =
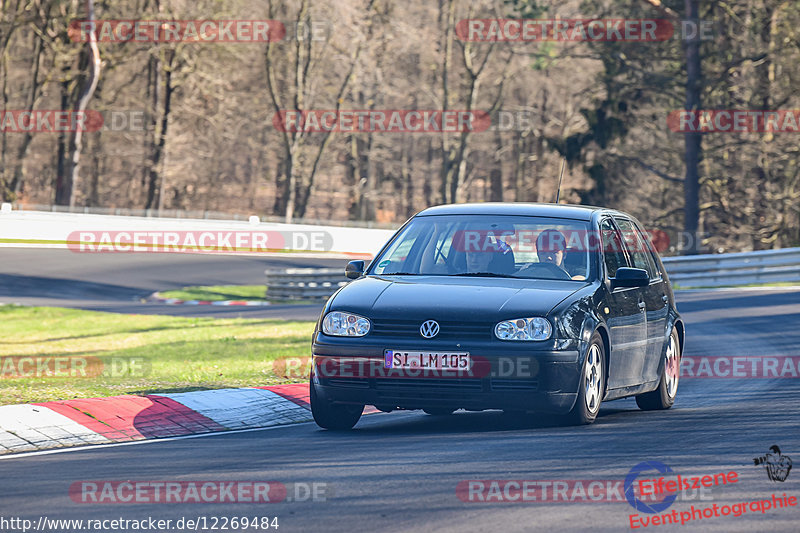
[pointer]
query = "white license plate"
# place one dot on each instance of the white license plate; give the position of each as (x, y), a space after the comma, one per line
(426, 360)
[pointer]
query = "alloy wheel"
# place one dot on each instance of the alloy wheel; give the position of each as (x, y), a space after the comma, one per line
(672, 367)
(592, 378)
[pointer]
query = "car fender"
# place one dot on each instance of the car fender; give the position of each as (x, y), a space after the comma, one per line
(578, 319)
(674, 320)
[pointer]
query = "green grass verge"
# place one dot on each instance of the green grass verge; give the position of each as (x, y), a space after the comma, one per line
(218, 293)
(144, 353)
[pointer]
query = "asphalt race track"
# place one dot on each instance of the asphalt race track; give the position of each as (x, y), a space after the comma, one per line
(399, 471)
(117, 282)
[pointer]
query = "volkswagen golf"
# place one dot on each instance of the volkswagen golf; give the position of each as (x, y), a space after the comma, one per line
(528, 308)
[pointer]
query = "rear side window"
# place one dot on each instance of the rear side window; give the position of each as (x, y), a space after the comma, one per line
(645, 237)
(613, 250)
(637, 247)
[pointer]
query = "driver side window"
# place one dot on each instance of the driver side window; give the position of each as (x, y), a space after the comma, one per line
(613, 251)
(397, 255)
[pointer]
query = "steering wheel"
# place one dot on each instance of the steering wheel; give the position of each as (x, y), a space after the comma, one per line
(556, 271)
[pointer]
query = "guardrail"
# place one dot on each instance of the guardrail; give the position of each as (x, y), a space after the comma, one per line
(744, 268)
(192, 215)
(713, 270)
(304, 283)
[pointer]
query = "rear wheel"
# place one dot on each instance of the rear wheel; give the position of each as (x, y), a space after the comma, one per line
(664, 396)
(440, 411)
(333, 416)
(592, 384)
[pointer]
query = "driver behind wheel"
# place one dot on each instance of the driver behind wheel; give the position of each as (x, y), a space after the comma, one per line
(551, 247)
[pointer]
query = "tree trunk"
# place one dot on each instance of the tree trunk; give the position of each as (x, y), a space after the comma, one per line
(18, 175)
(94, 182)
(62, 191)
(73, 163)
(149, 137)
(496, 174)
(407, 184)
(292, 179)
(154, 174)
(692, 140)
(446, 18)
(427, 189)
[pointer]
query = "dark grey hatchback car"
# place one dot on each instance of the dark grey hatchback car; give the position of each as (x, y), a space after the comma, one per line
(519, 307)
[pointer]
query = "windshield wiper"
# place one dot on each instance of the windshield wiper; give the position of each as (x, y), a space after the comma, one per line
(399, 274)
(484, 275)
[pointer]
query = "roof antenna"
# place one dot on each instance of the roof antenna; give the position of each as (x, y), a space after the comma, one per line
(560, 176)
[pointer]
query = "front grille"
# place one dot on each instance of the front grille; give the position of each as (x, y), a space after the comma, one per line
(428, 391)
(433, 389)
(449, 384)
(353, 383)
(447, 329)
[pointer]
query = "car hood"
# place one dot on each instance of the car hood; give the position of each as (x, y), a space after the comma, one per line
(452, 298)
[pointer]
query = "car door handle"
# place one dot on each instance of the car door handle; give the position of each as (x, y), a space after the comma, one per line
(642, 305)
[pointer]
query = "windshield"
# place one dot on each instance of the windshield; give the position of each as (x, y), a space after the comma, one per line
(489, 246)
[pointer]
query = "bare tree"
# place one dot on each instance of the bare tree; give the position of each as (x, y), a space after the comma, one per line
(72, 171)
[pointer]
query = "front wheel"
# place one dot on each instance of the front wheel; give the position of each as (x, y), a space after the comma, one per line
(329, 415)
(592, 384)
(664, 396)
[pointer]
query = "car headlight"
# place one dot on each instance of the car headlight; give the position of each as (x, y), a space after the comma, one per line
(345, 324)
(524, 329)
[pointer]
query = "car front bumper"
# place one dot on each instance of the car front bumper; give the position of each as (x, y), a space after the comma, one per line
(510, 376)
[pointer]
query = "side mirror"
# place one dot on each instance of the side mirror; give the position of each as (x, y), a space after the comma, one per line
(630, 277)
(355, 269)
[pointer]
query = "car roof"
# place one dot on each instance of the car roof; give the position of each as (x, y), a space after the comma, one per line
(576, 212)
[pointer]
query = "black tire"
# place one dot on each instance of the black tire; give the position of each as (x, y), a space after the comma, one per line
(664, 396)
(440, 411)
(333, 416)
(592, 384)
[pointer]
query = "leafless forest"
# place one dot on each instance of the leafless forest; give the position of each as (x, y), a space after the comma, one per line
(190, 125)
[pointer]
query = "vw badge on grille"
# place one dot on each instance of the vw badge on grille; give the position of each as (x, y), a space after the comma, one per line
(429, 329)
